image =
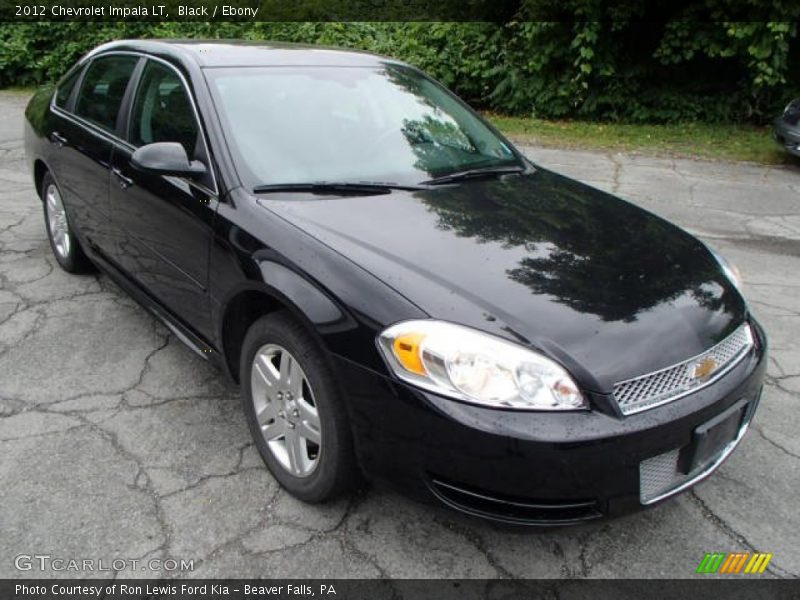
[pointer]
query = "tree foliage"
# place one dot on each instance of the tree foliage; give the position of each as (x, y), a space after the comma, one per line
(696, 67)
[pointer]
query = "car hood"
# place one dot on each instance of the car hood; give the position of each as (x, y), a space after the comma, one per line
(606, 288)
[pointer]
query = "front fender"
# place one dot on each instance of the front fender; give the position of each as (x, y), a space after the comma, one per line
(311, 304)
(341, 303)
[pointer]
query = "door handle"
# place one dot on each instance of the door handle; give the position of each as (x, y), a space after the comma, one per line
(58, 139)
(124, 182)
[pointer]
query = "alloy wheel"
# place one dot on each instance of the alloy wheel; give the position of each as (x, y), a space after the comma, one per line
(57, 221)
(285, 410)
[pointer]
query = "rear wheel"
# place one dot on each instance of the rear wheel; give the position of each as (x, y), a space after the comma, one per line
(295, 411)
(63, 241)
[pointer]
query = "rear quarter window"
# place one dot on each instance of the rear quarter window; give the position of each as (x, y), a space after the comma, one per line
(64, 89)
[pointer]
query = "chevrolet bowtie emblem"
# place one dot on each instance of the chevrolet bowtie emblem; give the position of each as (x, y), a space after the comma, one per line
(703, 368)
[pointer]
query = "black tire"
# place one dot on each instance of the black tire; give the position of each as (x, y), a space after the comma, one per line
(336, 471)
(70, 255)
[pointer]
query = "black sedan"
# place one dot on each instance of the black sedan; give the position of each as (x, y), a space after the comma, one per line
(399, 292)
(787, 128)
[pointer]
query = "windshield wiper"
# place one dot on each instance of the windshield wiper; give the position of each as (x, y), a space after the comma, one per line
(357, 188)
(483, 173)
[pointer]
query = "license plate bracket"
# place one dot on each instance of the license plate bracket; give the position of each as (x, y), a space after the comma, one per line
(710, 438)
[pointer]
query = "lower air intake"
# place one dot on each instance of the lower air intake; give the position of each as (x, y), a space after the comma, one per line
(513, 510)
(659, 476)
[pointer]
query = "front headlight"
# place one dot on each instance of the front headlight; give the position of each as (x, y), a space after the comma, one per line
(476, 367)
(729, 269)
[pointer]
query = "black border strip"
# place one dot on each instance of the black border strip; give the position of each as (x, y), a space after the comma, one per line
(396, 10)
(740, 587)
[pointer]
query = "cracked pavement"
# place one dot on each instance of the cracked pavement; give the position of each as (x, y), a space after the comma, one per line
(118, 442)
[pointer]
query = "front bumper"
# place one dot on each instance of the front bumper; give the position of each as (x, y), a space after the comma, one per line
(787, 136)
(536, 468)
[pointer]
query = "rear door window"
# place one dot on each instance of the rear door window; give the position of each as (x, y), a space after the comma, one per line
(103, 89)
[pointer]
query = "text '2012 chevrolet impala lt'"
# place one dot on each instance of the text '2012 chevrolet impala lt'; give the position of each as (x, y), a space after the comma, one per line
(398, 291)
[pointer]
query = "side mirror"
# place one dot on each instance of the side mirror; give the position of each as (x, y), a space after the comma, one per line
(167, 158)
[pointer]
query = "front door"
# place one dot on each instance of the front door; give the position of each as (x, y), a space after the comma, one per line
(165, 223)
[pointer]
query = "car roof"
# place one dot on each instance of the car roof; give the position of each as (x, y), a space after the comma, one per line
(238, 53)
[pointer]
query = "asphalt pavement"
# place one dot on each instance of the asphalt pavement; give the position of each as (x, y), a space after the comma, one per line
(118, 443)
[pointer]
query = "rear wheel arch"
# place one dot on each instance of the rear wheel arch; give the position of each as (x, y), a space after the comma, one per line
(61, 234)
(40, 169)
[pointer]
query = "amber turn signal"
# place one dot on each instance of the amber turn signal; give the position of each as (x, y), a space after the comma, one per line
(407, 350)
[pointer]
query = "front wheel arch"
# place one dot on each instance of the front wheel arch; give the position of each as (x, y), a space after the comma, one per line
(239, 313)
(251, 302)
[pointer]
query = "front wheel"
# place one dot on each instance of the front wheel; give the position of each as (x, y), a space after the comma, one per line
(295, 411)
(63, 241)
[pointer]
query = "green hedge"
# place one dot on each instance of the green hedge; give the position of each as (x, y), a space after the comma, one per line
(633, 71)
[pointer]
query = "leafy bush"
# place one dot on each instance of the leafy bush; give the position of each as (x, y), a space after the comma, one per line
(633, 70)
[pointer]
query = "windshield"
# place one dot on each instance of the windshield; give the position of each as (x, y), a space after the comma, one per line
(389, 124)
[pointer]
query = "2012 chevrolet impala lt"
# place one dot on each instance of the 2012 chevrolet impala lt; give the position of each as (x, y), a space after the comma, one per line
(398, 291)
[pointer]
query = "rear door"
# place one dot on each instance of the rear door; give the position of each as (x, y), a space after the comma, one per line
(165, 222)
(85, 124)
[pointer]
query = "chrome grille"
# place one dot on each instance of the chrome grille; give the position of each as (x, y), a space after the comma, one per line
(651, 390)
